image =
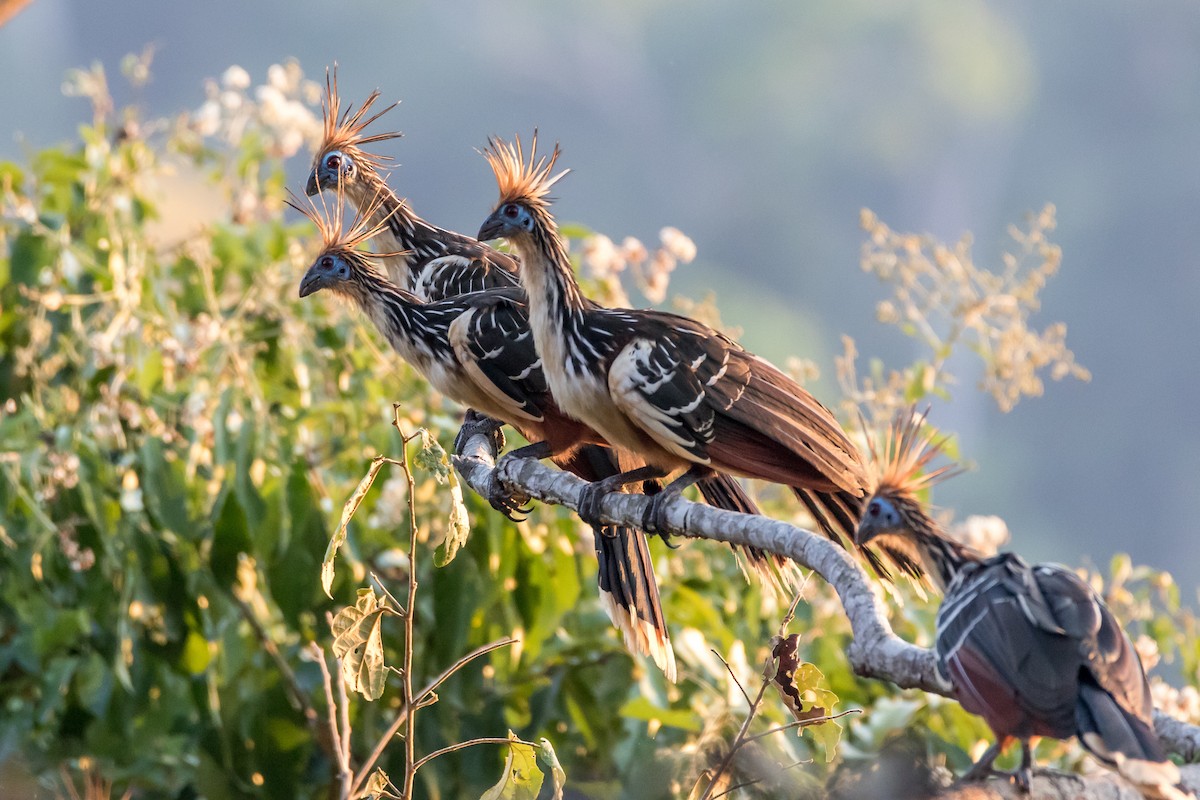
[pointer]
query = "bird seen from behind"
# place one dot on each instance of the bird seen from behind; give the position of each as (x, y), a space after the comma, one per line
(1030, 648)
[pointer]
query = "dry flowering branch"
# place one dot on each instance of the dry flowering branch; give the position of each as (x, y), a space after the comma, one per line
(943, 298)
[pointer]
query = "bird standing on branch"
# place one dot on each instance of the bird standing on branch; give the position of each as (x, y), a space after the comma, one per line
(1031, 649)
(477, 349)
(672, 391)
(429, 261)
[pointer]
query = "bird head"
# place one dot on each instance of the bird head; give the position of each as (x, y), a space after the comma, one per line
(334, 270)
(894, 518)
(329, 169)
(341, 266)
(524, 184)
(340, 157)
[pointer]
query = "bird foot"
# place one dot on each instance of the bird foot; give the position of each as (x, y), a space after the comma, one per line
(589, 503)
(654, 518)
(504, 500)
(1022, 778)
(474, 423)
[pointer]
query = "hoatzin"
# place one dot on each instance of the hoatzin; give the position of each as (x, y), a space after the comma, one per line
(429, 261)
(1030, 648)
(477, 349)
(671, 390)
(434, 263)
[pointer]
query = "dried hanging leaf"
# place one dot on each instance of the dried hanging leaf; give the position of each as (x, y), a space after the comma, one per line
(377, 785)
(339, 536)
(358, 642)
(799, 685)
(557, 773)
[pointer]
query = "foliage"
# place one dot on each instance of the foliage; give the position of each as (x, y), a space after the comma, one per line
(177, 434)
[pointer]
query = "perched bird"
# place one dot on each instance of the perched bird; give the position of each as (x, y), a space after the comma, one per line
(1030, 648)
(668, 389)
(477, 349)
(429, 261)
(434, 263)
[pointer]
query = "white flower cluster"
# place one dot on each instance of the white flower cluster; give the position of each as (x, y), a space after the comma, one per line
(605, 261)
(985, 534)
(281, 109)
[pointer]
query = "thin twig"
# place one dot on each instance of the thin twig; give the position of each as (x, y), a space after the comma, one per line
(341, 758)
(740, 739)
(804, 723)
(470, 743)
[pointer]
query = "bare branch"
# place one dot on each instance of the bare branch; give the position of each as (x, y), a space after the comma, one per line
(365, 770)
(874, 652)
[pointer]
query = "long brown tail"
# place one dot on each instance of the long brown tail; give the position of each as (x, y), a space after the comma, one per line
(628, 589)
(725, 492)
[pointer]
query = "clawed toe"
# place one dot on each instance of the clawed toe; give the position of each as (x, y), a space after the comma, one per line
(473, 423)
(508, 503)
(589, 504)
(654, 518)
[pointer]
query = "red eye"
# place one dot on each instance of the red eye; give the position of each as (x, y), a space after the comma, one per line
(327, 263)
(510, 211)
(334, 161)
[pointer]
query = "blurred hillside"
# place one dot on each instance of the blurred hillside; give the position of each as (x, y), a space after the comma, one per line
(761, 130)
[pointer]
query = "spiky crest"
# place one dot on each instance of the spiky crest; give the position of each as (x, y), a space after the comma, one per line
(527, 181)
(332, 227)
(344, 131)
(900, 466)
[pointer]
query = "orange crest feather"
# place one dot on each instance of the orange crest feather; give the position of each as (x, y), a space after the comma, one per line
(527, 181)
(344, 131)
(334, 233)
(900, 466)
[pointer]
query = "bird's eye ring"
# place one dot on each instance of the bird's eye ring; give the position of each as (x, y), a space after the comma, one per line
(333, 161)
(327, 262)
(510, 211)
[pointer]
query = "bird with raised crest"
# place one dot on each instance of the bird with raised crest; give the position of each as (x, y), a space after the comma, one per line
(672, 391)
(429, 261)
(1030, 648)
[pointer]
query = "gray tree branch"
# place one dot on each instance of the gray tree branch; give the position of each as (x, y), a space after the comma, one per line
(874, 652)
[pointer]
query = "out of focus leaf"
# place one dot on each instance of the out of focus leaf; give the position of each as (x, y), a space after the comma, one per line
(339, 536)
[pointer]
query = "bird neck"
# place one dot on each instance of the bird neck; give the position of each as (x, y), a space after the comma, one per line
(404, 231)
(556, 303)
(945, 558)
(409, 326)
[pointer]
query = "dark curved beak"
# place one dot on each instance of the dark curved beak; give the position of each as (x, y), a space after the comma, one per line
(312, 188)
(313, 281)
(492, 228)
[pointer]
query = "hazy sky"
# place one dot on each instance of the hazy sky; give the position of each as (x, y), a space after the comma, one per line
(761, 129)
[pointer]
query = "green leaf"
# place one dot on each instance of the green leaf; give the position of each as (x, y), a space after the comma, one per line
(522, 780)
(358, 642)
(339, 536)
(196, 654)
(28, 255)
(432, 457)
(164, 490)
(231, 538)
(641, 707)
(557, 773)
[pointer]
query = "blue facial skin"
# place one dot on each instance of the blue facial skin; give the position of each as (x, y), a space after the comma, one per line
(326, 271)
(506, 220)
(880, 517)
(324, 175)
